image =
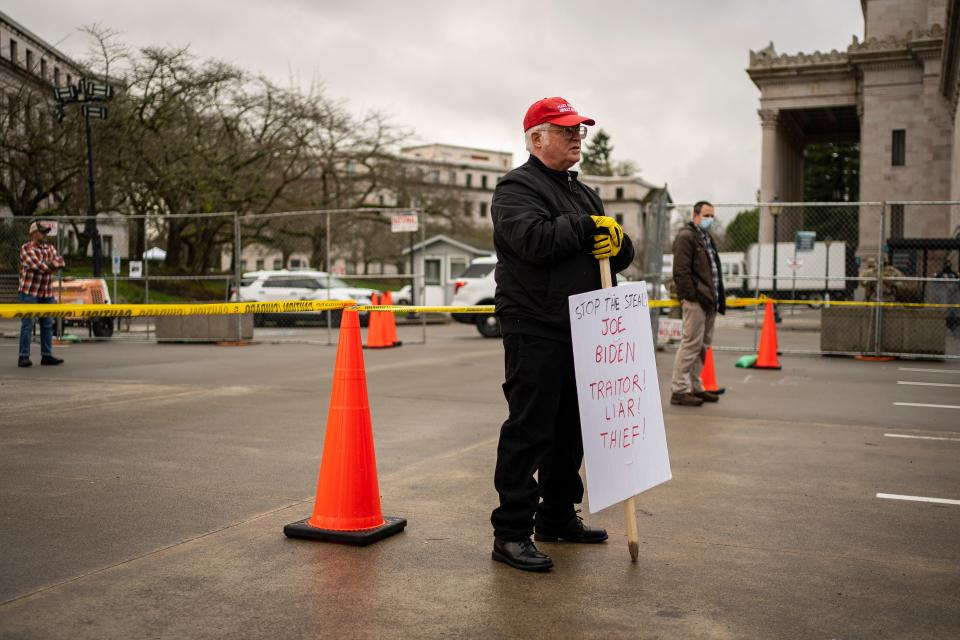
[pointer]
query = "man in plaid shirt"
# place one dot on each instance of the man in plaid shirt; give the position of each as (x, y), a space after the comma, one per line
(39, 260)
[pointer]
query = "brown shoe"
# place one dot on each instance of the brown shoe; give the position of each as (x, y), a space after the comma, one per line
(686, 399)
(707, 396)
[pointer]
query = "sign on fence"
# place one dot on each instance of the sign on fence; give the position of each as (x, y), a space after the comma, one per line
(136, 268)
(669, 330)
(404, 222)
(624, 441)
(115, 263)
(805, 241)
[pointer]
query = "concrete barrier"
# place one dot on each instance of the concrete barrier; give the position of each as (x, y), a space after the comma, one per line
(225, 328)
(902, 330)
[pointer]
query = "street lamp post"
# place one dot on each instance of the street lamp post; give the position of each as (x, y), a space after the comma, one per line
(92, 95)
(775, 210)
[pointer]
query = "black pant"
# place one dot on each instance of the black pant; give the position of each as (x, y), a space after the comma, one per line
(541, 434)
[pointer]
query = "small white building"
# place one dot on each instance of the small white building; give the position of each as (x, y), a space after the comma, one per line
(441, 260)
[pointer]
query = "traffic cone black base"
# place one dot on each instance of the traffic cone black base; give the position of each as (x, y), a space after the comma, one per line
(390, 526)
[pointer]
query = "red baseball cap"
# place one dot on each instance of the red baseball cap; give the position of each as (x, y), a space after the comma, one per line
(555, 111)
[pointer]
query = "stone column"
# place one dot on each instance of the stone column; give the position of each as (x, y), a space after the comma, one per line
(771, 155)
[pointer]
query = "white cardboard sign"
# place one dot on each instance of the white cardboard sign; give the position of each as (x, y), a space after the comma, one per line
(621, 419)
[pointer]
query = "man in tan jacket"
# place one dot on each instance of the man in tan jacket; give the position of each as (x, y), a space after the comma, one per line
(699, 285)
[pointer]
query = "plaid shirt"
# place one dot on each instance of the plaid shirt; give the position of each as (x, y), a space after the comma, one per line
(37, 269)
(712, 255)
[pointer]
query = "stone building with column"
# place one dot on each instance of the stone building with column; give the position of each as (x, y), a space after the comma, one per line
(894, 93)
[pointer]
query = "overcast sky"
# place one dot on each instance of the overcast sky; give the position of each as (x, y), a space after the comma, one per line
(665, 78)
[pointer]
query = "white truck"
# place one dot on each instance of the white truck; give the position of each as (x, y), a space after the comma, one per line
(811, 274)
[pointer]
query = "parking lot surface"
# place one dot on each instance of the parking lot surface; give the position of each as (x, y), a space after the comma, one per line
(145, 488)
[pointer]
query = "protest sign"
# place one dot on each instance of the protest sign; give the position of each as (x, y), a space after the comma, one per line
(624, 441)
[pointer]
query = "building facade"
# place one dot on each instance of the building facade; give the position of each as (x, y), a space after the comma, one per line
(463, 179)
(27, 59)
(471, 174)
(894, 93)
(30, 69)
(474, 173)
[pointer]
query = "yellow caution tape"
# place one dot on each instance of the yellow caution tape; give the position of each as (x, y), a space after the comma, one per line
(663, 304)
(749, 302)
(295, 306)
(156, 310)
(483, 308)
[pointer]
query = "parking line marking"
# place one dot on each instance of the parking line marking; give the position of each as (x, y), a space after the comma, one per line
(903, 435)
(929, 406)
(929, 384)
(894, 496)
(930, 370)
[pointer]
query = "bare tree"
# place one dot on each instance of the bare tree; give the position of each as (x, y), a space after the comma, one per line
(38, 157)
(188, 136)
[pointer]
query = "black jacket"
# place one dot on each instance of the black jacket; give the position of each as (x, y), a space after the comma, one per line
(543, 234)
(692, 275)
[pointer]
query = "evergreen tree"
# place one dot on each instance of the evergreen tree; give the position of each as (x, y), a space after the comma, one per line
(742, 230)
(598, 155)
(831, 173)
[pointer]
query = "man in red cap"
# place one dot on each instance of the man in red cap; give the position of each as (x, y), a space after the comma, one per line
(39, 260)
(549, 232)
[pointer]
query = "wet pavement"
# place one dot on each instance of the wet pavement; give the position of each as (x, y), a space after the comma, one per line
(145, 488)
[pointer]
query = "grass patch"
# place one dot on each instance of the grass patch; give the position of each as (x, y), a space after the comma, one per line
(161, 291)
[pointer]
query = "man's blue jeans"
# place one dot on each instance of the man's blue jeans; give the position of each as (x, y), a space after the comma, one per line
(46, 328)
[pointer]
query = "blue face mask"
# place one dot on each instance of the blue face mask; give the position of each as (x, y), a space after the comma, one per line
(706, 223)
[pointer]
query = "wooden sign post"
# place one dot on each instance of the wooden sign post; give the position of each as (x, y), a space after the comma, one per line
(621, 419)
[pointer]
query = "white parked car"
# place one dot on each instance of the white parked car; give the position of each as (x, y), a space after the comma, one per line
(403, 295)
(273, 286)
(476, 286)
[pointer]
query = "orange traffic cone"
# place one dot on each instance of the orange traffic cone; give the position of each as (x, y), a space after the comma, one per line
(347, 507)
(709, 376)
(377, 330)
(390, 321)
(767, 354)
(375, 338)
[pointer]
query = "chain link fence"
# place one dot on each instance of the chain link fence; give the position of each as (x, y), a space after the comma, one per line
(204, 258)
(853, 278)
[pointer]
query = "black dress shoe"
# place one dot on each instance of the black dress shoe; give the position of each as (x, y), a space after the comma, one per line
(24, 362)
(575, 531)
(521, 555)
(50, 360)
(719, 391)
(707, 396)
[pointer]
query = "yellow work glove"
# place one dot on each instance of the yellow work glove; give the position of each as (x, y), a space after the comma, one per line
(607, 245)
